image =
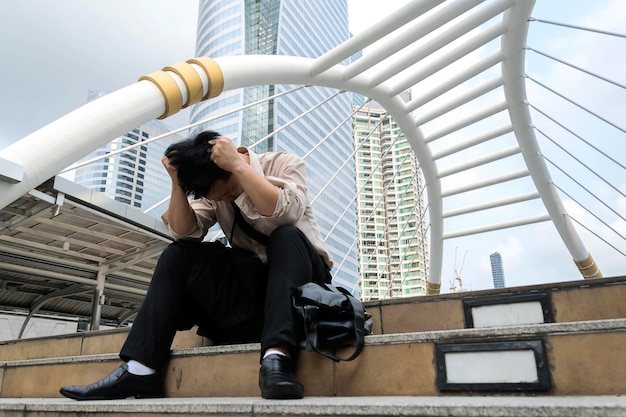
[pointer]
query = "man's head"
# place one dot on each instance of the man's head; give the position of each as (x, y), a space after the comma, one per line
(197, 173)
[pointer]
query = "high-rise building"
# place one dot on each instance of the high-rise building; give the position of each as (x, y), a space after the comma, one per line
(135, 176)
(497, 272)
(393, 245)
(295, 28)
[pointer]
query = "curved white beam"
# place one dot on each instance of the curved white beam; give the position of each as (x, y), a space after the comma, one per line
(47, 151)
(243, 71)
(513, 42)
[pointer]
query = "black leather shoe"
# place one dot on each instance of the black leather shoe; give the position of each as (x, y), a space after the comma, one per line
(118, 385)
(277, 381)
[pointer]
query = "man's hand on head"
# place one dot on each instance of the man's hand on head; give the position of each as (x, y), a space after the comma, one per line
(224, 153)
(171, 169)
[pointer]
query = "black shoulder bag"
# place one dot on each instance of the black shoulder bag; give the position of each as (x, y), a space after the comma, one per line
(333, 318)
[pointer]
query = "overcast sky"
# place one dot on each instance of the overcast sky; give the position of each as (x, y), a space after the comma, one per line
(53, 52)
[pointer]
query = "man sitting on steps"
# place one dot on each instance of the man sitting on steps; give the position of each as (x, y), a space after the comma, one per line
(233, 294)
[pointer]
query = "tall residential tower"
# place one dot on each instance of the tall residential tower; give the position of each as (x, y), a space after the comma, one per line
(393, 242)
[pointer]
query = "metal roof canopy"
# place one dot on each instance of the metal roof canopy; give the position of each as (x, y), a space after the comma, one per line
(67, 250)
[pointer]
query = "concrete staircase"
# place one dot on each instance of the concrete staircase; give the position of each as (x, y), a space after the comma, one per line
(548, 350)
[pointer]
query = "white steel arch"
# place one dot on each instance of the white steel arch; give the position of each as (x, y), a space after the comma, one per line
(402, 55)
(515, 92)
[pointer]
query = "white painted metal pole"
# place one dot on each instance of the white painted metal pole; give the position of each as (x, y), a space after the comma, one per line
(515, 92)
(47, 151)
(364, 39)
(44, 153)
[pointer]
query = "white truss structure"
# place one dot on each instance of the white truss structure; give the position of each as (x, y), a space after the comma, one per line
(411, 47)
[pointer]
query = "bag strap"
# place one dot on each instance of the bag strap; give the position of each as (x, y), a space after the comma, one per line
(359, 323)
(246, 228)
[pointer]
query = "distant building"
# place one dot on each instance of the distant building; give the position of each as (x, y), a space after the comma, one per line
(497, 272)
(393, 242)
(136, 176)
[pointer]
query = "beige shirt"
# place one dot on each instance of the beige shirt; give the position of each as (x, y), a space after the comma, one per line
(285, 171)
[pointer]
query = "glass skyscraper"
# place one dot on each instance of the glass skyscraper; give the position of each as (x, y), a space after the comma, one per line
(294, 28)
(497, 272)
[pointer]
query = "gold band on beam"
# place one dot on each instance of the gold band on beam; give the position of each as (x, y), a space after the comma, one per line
(170, 90)
(192, 81)
(588, 268)
(214, 74)
(433, 288)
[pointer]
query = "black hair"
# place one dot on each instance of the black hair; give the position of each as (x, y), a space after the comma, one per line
(197, 173)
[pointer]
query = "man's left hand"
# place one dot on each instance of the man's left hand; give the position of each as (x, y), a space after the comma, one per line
(225, 154)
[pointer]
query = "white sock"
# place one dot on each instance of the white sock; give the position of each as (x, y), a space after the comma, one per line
(272, 351)
(140, 369)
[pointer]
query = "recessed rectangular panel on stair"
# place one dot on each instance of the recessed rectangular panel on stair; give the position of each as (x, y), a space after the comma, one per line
(509, 310)
(494, 366)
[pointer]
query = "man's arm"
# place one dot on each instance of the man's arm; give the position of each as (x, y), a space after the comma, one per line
(261, 192)
(180, 217)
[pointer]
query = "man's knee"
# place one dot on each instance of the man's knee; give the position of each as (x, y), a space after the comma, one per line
(173, 251)
(285, 233)
(181, 252)
(287, 241)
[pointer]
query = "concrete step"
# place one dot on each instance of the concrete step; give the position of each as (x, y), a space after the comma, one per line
(560, 302)
(563, 302)
(582, 358)
(504, 406)
(83, 343)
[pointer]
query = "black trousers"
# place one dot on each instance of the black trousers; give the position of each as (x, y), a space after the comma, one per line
(228, 293)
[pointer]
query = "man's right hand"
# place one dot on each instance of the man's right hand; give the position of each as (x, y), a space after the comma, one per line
(179, 215)
(171, 169)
